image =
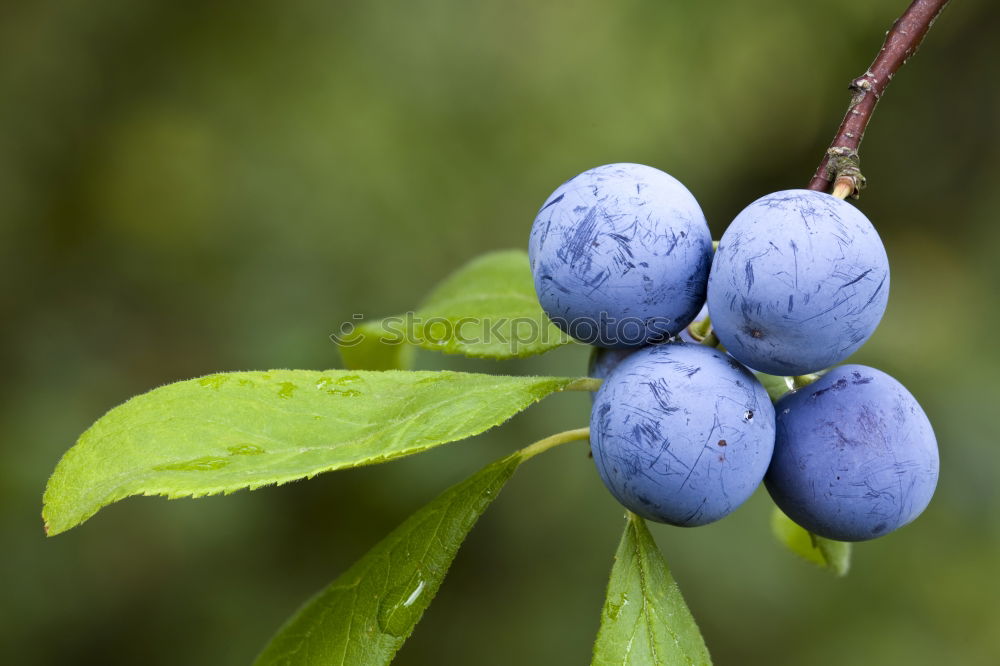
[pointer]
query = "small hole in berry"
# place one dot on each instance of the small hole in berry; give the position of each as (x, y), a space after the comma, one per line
(748, 416)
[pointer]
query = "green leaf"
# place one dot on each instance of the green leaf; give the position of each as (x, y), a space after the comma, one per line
(645, 620)
(365, 615)
(776, 386)
(239, 430)
(486, 309)
(369, 347)
(497, 290)
(834, 556)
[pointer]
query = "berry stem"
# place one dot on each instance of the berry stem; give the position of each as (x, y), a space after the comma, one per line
(840, 163)
(703, 333)
(798, 381)
(700, 329)
(551, 441)
(844, 187)
(584, 384)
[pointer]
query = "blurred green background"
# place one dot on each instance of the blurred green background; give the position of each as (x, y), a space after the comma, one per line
(193, 187)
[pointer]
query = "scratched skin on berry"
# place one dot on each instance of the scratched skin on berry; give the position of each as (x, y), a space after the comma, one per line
(799, 282)
(620, 256)
(603, 361)
(681, 433)
(855, 456)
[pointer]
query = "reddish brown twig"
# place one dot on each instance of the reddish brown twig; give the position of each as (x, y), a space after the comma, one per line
(840, 164)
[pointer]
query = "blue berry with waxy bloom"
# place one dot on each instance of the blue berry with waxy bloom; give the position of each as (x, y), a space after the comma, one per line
(799, 282)
(681, 433)
(620, 256)
(603, 361)
(855, 456)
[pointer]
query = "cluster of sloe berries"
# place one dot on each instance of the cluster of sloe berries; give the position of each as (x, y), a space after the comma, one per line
(682, 432)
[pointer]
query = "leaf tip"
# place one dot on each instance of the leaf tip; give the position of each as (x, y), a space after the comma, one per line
(48, 528)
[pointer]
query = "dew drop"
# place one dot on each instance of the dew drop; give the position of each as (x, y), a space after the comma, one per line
(287, 389)
(398, 610)
(245, 450)
(347, 379)
(433, 379)
(197, 465)
(348, 393)
(213, 381)
(614, 608)
(415, 594)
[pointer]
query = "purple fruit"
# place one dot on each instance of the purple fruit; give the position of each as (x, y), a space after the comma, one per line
(620, 256)
(799, 282)
(681, 433)
(603, 361)
(855, 456)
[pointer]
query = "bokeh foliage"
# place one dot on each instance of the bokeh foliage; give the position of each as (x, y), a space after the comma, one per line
(194, 187)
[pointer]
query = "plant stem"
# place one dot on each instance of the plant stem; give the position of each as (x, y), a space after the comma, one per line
(840, 164)
(703, 333)
(798, 381)
(844, 187)
(551, 441)
(584, 384)
(711, 339)
(699, 329)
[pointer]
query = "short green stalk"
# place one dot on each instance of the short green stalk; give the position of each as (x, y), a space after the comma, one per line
(552, 441)
(798, 381)
(584, 384)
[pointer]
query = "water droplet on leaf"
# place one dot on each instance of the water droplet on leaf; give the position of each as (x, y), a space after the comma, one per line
(433, 379)
(213, 381)
(245, 450)
(398, 610)
(615, 607)
(203, 464)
